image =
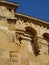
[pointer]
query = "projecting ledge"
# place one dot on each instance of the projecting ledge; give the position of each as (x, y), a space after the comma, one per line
(9, 4)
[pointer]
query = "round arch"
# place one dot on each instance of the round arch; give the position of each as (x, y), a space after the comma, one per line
(31, 31)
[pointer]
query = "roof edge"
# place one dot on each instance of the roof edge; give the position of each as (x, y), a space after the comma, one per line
(33, 19)
(11, 3)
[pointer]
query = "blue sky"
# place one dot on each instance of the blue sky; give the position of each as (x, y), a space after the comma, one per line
(35, 8)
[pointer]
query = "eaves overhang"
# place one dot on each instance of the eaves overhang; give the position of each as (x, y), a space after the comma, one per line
(9, 4)
(32, 19)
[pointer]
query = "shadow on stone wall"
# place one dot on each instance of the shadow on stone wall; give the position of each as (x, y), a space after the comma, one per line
(31, 31)
(46, 37)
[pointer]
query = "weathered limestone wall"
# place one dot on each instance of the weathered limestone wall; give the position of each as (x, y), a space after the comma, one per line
(40, 29)
(13, 49)
(24, 51)
(3, 22)
(43, 58)
(6, 12)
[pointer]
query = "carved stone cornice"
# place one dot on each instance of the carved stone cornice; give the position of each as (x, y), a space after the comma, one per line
(32, 19)
(9, 4)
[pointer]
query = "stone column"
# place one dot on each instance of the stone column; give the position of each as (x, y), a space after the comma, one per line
(24, 53)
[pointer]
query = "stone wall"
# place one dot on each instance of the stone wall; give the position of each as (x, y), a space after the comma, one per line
(6, 11)
(43, 58)
(15, 43)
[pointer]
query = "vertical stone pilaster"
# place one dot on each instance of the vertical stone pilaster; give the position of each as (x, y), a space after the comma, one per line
(24, 53)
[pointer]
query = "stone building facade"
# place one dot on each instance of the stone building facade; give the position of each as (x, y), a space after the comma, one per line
(21, 37)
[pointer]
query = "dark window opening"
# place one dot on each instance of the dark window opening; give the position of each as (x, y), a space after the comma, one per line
(31, 31)
(46, 37)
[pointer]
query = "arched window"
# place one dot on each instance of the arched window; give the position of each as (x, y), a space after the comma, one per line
(46, 37)
(31, 31)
